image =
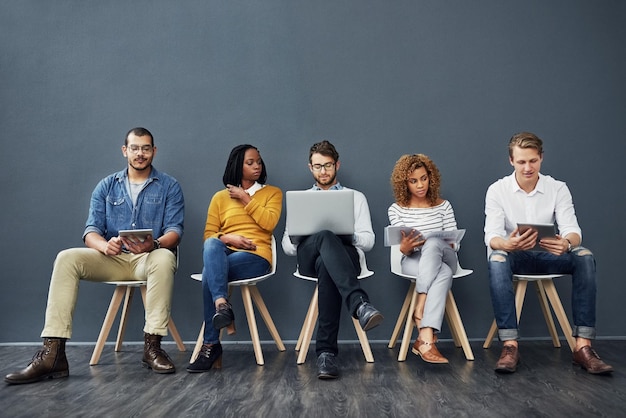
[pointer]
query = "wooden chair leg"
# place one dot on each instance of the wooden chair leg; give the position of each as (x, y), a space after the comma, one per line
(401, 316)
(130, 290)
(553, 296)
(491, 334)
(307, 328)
(547, 313)
(365, 344)
(114, 306)
(312, 307)
(267, 318)
(408, 329)
(175, 335)
(254, 332)
(198, 346)
(456, 326)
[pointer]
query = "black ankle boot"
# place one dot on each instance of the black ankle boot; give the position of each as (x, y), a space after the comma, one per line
(210, 355)
(48, 363)
(224, 316)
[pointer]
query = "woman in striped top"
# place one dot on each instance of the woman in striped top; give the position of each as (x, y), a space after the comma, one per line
(416, 181)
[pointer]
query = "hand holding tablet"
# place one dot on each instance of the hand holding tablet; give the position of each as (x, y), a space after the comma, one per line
(139, 234)
(543, 231)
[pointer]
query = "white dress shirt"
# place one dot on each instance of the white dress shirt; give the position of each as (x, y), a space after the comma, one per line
(506, 205)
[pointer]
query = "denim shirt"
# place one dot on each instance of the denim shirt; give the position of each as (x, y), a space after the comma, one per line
(160, 206)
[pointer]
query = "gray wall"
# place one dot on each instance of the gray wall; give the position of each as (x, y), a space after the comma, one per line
(452, 79)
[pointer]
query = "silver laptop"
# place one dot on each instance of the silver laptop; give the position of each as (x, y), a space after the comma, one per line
(311, 211)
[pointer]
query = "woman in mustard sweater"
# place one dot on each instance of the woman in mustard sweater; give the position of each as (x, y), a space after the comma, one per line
(237, 243)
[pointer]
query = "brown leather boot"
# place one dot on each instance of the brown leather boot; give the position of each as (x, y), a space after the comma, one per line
(154, 357)
(48, 363)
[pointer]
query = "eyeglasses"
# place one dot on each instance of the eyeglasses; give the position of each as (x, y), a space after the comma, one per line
(326, 166)
(146, 149)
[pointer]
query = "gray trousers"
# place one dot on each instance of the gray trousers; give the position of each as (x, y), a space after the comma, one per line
(433, 267)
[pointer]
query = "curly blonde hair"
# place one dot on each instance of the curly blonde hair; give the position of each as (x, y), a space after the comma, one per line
(401, 171)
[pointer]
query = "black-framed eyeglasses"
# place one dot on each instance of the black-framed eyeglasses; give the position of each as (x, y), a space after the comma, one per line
(146, 149)
(326, 166)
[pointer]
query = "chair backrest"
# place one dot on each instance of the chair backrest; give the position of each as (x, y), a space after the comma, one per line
(395, 262)
(365, 272)
(198, 276)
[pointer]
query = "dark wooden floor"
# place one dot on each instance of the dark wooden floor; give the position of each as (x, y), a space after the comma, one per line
(546, 384)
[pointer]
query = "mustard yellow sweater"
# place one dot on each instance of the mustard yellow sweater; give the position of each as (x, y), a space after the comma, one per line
(255, 221)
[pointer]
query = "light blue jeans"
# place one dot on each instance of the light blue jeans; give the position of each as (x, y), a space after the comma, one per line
(434, 265)
(221, 265)
(580, 263)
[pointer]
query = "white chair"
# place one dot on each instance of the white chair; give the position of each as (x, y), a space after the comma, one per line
(546, 290)
(249, 293)
(406, 312)
(306, 333)
(125, 290)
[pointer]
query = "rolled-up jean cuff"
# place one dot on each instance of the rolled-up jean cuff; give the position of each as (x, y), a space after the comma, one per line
(584, 332)
(508, 334)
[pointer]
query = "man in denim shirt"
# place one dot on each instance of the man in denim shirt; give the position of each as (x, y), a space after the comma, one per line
(138, 197)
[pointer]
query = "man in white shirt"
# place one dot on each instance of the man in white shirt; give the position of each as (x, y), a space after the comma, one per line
(527, 196)
(335, 264)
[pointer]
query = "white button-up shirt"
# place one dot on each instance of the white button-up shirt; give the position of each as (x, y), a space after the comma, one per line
(506, 205)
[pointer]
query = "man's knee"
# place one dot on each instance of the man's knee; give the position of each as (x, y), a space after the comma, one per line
(582, 252)
(498, 256)
(325, 234)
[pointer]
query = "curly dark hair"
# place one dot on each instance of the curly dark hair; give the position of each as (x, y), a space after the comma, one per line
(234, 167)
(401, 171)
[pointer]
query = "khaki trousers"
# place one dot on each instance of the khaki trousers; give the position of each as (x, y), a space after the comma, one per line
(74, 264)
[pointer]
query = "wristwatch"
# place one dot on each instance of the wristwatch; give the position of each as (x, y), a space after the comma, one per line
(157, 244)
(569, 245)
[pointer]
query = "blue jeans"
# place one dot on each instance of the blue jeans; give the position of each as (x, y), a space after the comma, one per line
(222, 265)
(579, 263)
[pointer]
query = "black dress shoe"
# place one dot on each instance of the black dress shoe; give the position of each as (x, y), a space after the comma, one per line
(224, 316)
(369, 317)
(327, 366)
(210, 355)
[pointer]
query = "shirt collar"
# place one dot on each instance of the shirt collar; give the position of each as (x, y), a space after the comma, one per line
(336, 186)
(540, 187)
(121, 176)
(254, 188)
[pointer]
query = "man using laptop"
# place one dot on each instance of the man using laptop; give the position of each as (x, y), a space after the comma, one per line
(527, 196)
(335, 263)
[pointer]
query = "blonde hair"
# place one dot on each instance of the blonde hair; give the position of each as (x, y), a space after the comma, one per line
(525, 140)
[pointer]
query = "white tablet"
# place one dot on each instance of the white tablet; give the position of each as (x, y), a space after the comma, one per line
(139, 233)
